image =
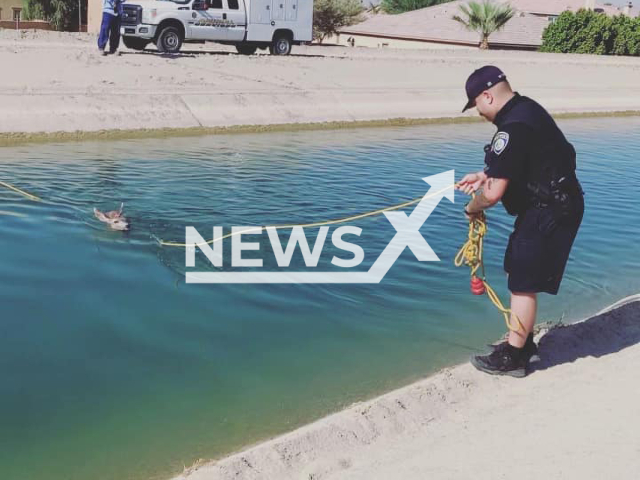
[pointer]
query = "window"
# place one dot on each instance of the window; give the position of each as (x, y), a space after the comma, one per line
(214, 3)
(233, 4)
(16, 14)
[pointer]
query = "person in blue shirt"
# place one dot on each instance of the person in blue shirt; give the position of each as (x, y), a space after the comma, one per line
(110, 28)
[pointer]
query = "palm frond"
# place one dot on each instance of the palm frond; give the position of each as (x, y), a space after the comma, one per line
(485, 18)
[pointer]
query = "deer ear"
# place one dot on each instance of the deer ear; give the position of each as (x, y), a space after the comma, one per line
(121, 207)
(99, 215)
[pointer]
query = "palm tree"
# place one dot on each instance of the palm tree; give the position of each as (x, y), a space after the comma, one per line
(485, 18)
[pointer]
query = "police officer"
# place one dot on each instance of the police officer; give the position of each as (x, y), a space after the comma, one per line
(530, 167)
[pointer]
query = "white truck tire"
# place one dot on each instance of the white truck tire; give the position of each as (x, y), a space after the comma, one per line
(281, 44)
(169, 40)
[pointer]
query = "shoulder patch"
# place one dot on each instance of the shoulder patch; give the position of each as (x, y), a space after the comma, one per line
(500, 142)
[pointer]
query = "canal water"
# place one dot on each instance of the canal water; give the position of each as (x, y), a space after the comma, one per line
(112, 367)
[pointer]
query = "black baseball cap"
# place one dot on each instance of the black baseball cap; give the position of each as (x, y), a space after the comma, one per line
(481, 80)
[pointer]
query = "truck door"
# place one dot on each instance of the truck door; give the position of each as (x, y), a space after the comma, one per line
(236, 20)
(207, 21)
(292, 11)
(260, 11)
(277, 10)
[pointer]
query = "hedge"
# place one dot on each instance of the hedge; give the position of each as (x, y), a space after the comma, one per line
(589, 32)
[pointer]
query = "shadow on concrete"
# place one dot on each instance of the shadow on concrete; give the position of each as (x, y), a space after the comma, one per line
(606, 333)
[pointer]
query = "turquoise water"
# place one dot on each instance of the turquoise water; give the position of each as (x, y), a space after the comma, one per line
(113, 368)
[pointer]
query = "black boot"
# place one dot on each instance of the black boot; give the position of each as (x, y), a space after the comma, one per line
(530, 349)
(504, 360)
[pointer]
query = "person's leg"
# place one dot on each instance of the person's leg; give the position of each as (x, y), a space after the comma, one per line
(104, 31)
(523, 305)
(114, 36)
(511, 357)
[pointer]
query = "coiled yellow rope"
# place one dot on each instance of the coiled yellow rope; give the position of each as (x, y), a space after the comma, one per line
(471, 254)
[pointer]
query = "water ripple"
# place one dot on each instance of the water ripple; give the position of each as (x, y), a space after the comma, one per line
(106, 349)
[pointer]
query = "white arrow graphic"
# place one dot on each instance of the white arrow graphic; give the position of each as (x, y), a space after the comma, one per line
(408, 227)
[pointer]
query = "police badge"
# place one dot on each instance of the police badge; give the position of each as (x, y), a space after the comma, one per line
(500, 142)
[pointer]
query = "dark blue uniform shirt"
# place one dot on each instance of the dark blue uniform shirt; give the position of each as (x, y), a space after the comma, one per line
(529, 149)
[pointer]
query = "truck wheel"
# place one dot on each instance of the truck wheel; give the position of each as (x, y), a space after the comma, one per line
(169, 40)
(246, 49)
(135, 43)
(281, 45)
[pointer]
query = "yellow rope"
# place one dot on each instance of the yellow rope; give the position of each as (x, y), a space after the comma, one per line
(12, 214)
(471, 254)
(21, 192)
(315, 224)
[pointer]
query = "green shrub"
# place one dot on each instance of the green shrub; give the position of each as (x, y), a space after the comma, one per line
(61, 14)
(330, 15)
(34, 10)
(595, 33)
(627, 40)
(401, 6)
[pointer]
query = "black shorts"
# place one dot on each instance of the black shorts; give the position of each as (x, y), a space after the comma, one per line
(539, 248)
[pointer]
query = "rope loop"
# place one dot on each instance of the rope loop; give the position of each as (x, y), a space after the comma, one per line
(470, 254)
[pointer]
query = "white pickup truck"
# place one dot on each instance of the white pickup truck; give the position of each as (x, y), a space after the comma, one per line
(247, 24)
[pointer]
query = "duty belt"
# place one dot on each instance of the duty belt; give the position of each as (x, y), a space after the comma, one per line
(557, 193)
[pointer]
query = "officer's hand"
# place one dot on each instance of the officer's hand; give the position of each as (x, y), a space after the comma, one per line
(470, 183)
(472, 217)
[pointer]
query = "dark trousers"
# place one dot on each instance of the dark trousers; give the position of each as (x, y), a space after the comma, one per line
(109, 30)
(539, 248)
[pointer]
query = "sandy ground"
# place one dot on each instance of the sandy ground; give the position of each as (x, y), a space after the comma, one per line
(575, 416)
(57, 82)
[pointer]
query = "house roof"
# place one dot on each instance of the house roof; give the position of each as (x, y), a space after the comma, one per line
(436, 24)
(556, 7)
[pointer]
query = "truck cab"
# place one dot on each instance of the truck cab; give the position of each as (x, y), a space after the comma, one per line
(247, 24)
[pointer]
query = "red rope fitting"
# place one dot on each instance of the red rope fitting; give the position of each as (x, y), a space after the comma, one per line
(477, 286)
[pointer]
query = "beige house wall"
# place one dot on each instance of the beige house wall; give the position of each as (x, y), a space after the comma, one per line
(379, 42)
(94, 15)
(6, 8)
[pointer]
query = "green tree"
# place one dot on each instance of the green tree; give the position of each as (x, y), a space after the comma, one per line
(585, 31)
(599, 35)
(485, 18)
(401, 6)
(32, 10)
(61, 14)
(627, 36)
(563, 35)
(330, 15)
